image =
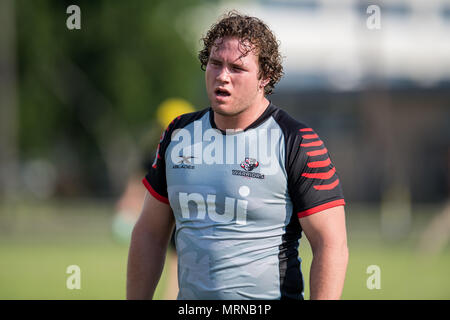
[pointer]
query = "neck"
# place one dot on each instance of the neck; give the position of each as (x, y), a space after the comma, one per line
(242, 120)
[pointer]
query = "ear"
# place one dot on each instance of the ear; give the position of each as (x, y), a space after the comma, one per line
(264, 82)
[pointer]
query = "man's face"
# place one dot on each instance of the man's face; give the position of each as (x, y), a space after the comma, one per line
(232, 82)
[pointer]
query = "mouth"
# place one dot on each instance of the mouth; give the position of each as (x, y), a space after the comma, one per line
(221, 93)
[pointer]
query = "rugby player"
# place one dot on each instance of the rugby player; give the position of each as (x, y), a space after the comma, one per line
(239, 182)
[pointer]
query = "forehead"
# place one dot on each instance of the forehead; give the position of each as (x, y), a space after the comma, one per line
(233, 48)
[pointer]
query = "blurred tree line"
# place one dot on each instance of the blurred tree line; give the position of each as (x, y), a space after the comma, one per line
(86, 99)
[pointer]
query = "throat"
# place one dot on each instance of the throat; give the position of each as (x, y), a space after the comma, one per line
(234, 123)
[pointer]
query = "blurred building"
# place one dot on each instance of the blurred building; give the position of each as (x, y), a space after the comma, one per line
(379, 96)
(371, 77)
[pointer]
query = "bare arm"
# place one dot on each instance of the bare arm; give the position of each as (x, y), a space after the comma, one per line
(148, 248)
(327, 235)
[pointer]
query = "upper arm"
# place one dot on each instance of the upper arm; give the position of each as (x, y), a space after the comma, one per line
(326, 228)
(156, 219)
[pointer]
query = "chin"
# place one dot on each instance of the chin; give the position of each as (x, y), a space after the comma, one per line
(225, 110)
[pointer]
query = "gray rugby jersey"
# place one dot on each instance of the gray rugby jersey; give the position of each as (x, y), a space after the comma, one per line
(236, 199)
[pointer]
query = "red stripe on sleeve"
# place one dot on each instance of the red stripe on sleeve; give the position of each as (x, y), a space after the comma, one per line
(322, 207)
(305, 129)
(154, 193)
(310, 136)
(319, 164)
(327, 186)
(312, 144)
(323, 175)
(317, 152)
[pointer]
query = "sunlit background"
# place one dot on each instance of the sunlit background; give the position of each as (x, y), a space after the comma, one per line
(81, 112)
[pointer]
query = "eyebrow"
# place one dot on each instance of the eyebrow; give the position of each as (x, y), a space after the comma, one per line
(242, 65)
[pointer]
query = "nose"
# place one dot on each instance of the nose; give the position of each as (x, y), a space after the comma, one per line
(223, 75)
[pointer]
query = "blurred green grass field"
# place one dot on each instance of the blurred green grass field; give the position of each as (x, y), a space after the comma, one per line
(38, 241)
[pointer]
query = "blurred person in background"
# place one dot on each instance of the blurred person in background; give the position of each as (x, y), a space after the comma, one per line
(129, 204)
(436, 235)
(128, 208)
(238, 220)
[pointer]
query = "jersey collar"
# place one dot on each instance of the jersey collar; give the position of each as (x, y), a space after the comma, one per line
(263, 117)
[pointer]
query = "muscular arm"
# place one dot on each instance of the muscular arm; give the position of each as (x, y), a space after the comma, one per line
(327, 235)
(148, 248)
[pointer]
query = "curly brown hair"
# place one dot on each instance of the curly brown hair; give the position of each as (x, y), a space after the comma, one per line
(249, 30)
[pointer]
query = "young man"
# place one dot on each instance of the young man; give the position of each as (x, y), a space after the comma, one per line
(240, 181)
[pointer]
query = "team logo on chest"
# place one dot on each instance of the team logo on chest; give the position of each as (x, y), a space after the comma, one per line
(248, 165)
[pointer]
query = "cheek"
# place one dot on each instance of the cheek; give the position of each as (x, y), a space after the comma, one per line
(209, 78)
(208, 71)
(247, 84)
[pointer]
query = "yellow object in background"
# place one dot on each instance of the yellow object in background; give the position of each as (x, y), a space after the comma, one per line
(171, 108)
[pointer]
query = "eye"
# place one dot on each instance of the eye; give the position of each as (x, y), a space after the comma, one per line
(214, 62)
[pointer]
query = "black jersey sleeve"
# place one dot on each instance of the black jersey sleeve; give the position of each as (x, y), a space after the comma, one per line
(155, 179)
(313, 182)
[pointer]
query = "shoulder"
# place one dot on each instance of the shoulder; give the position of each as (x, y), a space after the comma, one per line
(178, 123)
(183, 120)
(301, 141)
(293, 129)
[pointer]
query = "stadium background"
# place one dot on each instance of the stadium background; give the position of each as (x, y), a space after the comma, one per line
(81, 110)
